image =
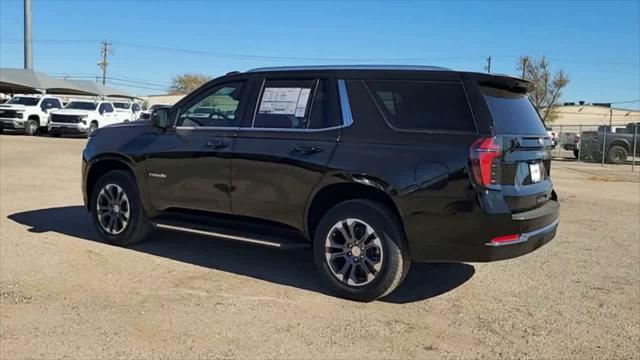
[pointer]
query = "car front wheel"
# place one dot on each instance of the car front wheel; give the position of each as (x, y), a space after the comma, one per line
(31, 128)
(360, 250)
(116, 209)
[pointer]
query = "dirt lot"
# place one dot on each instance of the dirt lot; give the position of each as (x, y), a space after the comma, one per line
(65, 294)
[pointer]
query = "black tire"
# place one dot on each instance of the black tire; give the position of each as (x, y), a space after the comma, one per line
(394, 260)
(617, 155)
(576, 153)
(138, 226)
(31, 127)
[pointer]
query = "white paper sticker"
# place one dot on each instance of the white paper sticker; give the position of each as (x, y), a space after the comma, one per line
(301, 107)
(284, 101)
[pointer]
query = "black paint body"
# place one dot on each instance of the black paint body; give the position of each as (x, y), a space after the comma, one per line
(269, 174)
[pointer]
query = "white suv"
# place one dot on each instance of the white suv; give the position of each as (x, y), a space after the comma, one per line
(129, 111)
(27, 113)
(83, 117)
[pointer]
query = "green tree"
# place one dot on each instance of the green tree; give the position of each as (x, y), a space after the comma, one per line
(547, 88)
(186, 83)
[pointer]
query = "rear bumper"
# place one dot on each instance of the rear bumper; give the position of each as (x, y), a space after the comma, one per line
(535, 229)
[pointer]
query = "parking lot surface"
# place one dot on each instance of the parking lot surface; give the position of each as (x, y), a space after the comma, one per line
(63, 293)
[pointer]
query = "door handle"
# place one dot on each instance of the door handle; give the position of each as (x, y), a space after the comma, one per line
(218, 144)
(308, 149)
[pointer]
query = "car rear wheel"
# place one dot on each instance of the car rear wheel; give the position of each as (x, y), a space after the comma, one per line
(360, 250)
(31, 128)
(617, 154)
(117, 211)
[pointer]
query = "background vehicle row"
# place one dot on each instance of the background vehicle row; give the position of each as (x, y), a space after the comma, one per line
(31, 114)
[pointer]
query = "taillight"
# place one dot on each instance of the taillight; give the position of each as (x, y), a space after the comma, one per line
(485, 162)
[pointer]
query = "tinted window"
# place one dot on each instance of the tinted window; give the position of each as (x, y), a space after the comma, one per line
(108, 107)
(218, 109)
(56, 103)
(21, 100)
(120, 105)
(422, 105)
(324, 111)
(285, 104)
(512, 113)
(47, 104)
(81, 105)
(136, 107)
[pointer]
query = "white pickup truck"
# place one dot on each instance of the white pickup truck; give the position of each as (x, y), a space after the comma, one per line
(130, 110)
(83, 117)
(27, 113)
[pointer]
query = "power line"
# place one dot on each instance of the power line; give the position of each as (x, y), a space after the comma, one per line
(135, 86)
(252, 56)
(115, 77)
(269, 57)
(294, 58)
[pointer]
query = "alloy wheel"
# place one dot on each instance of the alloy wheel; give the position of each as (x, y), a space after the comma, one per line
(33, 127)
(113, 209)
(353, 252)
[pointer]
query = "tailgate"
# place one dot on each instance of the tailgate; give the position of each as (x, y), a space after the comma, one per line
(525, 163)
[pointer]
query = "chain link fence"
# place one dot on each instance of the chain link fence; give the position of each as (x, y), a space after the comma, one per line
(606, 144)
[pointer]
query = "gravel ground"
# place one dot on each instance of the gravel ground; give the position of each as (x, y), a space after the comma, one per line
(65, 294)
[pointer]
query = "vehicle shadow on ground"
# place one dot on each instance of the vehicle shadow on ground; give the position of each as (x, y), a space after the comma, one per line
(291, 268)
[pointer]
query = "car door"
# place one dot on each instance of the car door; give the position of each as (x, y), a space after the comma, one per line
(135, 109)
(189, 165)
(46, 106)
(107, 114)
(283, 149)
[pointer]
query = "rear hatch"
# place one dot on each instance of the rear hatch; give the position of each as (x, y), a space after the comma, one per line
(522, 161)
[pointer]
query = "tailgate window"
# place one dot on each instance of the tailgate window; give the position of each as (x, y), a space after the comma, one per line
(512, 113)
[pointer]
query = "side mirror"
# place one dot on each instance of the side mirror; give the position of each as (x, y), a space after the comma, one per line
(160, 118)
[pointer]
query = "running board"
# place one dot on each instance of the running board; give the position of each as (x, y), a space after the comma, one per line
(284, 242)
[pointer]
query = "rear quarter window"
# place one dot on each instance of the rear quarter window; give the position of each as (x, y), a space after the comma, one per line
(423, 105)
(512, 113)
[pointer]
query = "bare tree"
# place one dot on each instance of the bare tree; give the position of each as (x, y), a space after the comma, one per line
(547, 88)
(186, 83)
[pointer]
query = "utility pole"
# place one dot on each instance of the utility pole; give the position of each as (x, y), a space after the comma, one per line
(489, 64)
(525, 61)
(106, 50)
(28, 55)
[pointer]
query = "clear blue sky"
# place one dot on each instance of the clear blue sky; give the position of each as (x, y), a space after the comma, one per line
(596, 43)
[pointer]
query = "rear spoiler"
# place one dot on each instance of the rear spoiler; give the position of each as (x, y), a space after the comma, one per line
(504, 82)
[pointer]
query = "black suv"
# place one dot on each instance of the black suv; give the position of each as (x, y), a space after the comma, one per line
(373, 166)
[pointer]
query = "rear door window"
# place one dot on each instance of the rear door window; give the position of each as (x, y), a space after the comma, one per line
(285, 104)
(512, 113)
(423, 105)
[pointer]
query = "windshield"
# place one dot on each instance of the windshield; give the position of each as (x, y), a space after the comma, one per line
(512, 113)
(22, 100)
(81, 105)
(119, 105)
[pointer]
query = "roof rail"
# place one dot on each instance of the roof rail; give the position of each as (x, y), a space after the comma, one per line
(351, 67)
